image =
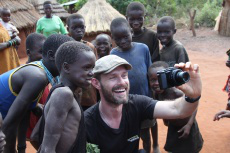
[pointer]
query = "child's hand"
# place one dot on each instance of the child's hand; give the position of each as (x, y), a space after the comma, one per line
(228, 105)
(184, 131)
(221, 114)
(191, 89)
(228, 63)
(13, 36)
(37, 111)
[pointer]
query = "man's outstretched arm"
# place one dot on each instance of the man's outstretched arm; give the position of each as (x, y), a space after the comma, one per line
(60, 102)
(180, 108)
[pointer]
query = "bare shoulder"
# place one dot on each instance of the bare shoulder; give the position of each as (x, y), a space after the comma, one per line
(62, 96)
(32, 73)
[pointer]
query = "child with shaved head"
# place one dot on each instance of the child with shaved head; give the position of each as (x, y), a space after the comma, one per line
(103, 44)
(76, 27)
(5, 15)
(173, 51)
(135, 15)
(64, 121)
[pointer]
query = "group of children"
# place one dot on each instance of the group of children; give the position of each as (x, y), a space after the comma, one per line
(75, 59)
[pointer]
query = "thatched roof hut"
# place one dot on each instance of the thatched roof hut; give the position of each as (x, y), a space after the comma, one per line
(23, 14)
(224, 25)
(24, 17)
(98, 16)
(57, 8)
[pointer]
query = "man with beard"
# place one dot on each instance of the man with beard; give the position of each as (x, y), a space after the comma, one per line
(114, 123)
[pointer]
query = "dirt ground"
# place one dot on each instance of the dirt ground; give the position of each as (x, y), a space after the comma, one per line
(208, 50)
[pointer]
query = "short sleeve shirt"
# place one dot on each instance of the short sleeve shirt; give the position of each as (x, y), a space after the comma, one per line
(149, 38)
(174, 53)
(126, 138)
(139, 57)
(49, 26)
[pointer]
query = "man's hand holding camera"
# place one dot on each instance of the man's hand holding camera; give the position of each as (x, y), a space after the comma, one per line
(193, 88)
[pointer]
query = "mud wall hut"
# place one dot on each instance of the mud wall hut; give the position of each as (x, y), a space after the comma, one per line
(24, 17)
(98, 16)
(224, 25)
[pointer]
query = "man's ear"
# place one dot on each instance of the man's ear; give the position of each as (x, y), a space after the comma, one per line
(28, 52)
(51, 55)
(66, 67)
(96, 83)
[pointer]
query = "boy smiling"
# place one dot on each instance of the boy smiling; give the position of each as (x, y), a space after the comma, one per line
(137, 54)
(64, 128)
(76, 28)
(135, 15)
(173, 51)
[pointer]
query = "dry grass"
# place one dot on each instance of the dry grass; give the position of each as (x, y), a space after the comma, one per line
(23, 14)
(98, 16)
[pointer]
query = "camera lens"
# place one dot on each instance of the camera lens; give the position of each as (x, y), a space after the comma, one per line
(182, 77)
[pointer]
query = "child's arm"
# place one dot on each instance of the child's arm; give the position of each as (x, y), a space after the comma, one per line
(221, 114)
(182, 55)
(186, 129)
(155, 55)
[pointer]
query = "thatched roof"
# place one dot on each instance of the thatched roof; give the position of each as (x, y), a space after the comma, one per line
(57, 8)
(98, 16)
(23, 14)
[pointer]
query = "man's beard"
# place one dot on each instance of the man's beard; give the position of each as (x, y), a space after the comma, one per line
(110, 98)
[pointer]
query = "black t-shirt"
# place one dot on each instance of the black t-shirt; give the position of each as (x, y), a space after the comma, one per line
(192, 144)
(149, 38)
(174, 53)
(126, 138)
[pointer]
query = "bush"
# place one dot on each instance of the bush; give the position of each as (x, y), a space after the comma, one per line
(120, 5)
(206, 16)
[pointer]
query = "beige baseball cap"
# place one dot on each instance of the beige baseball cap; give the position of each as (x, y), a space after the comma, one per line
(108, 63)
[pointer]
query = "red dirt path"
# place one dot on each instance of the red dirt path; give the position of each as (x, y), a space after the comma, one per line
(208, 50)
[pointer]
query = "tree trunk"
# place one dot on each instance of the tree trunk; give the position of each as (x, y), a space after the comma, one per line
(224, 27)
(192, 17)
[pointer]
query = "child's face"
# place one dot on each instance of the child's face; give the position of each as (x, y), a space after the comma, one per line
(153, 80)
(77, 29)
(81, 71)
(36, 54)
(2, 136)
(122, 37)
(48, 9)
(165, 32)
(103, 45)
(136, 19)
(6, 15)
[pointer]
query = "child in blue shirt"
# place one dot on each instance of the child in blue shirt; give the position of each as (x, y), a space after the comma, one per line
(137, 54)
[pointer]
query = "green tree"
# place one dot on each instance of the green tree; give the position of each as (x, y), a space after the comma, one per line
(207, 15)
(120, 5)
